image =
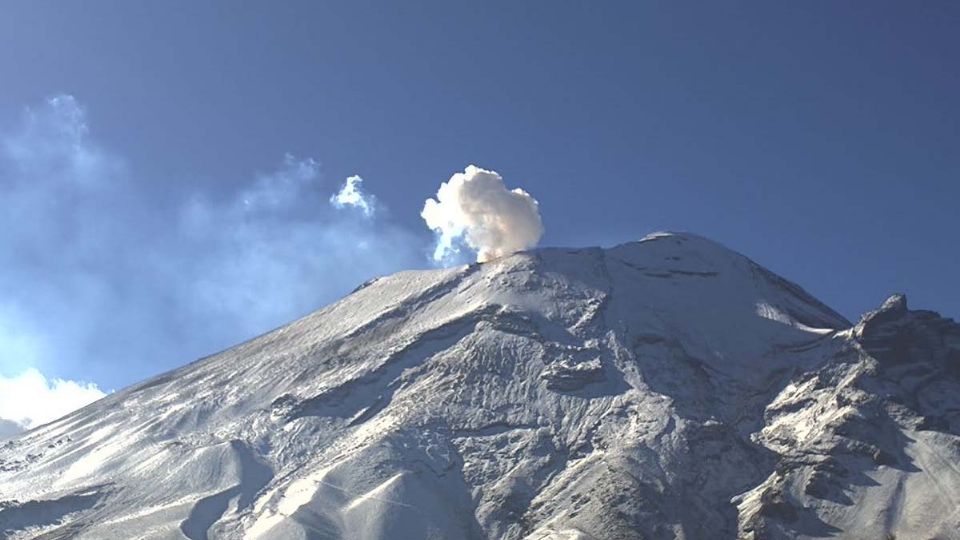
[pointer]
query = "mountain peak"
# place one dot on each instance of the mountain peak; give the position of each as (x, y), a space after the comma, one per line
(894, 307)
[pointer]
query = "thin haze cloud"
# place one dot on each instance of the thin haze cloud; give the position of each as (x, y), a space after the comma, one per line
(96, 275)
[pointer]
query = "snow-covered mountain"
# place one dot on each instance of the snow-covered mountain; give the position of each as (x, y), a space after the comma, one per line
(666, 388)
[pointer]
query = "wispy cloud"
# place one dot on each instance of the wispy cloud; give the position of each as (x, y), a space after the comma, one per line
(276, 251)
(352, 195)
(96, 276)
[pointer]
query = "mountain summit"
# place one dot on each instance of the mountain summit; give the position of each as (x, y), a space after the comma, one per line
(666, 388)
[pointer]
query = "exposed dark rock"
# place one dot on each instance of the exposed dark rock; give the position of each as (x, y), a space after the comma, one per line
(567, 377)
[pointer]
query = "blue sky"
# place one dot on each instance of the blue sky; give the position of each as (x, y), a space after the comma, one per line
(820, 139)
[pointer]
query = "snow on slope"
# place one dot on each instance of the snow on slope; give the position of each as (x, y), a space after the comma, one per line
(667, 388)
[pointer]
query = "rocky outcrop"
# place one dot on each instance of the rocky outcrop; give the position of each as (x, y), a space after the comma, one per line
(567, 376)
(868, 442)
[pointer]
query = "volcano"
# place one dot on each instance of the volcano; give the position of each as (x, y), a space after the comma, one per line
(665, 388)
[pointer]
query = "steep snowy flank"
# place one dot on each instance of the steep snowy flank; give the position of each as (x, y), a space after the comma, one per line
(867, 444)
(666, 388)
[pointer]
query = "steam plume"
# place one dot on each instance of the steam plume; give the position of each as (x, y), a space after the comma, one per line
(475, 207)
